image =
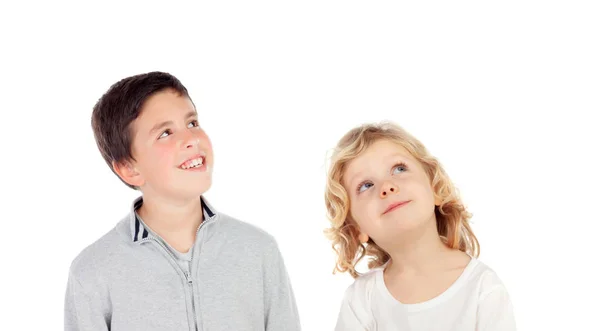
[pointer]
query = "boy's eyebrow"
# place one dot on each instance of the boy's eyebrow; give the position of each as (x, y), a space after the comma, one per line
(166, 123)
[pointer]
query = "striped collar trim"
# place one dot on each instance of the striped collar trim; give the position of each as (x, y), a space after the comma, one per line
(138, 228)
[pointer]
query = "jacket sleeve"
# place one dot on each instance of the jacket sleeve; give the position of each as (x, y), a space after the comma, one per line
(85, 310)
(281, 311)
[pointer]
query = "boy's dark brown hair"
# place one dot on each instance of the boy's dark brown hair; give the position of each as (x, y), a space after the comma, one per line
(120, 106)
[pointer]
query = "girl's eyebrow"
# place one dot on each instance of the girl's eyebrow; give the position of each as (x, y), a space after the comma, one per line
(353, 179)
(398, 155)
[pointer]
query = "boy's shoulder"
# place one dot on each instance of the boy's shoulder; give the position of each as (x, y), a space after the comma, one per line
(228, 227)
(100, 254)
(235, 229)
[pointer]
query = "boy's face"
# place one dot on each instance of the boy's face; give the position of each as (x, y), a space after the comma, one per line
(390, 193)
(173, 155)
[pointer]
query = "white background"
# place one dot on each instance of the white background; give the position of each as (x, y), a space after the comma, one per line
(506, 95)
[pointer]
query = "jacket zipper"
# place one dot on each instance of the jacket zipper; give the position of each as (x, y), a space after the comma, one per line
(190, 282)
(188, 277)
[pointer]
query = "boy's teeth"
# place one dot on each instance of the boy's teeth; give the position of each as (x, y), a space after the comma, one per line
(193, 163)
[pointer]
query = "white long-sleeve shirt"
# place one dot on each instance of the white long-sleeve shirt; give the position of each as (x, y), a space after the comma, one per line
(476, 301)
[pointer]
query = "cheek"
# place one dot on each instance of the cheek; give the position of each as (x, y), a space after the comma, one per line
(204, 137)
(426, 193)
(207, 144)
(163, 156)
(355, 211)
(364, 212)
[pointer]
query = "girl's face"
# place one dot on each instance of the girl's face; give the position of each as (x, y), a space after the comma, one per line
(390, 193)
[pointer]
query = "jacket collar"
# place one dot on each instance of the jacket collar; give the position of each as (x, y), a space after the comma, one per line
(140, 231)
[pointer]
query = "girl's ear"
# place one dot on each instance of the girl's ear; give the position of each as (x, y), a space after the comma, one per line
(363, 238)
(438, 200)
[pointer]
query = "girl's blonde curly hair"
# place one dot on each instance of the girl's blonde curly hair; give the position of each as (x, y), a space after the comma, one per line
(451, 216)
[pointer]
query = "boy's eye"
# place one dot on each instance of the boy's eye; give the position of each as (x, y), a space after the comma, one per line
(399, 168)
(192, 124)
(364, 186)
(165, 133)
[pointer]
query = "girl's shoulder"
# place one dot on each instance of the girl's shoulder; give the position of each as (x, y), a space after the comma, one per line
(361, 290)
(483, 278)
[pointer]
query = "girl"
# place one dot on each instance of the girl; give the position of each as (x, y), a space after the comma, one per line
(387, 198)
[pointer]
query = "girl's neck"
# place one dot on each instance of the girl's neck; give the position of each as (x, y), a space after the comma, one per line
(418, 252)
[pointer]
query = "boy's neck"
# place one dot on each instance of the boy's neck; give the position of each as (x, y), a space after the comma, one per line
(419, 252)
(170, 218)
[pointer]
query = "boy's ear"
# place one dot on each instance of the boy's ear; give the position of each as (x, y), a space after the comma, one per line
(128, 173)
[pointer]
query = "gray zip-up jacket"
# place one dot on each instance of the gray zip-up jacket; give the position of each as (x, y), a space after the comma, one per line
(130, 279)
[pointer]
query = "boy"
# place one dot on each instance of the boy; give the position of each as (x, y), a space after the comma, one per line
(174, 262)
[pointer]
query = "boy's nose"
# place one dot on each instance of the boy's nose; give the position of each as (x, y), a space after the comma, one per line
(191, 141)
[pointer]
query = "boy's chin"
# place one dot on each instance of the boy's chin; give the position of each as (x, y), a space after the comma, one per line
(189, 190)
(193, 190)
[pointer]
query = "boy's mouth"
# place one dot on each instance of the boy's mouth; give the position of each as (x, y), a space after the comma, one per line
(194, 162)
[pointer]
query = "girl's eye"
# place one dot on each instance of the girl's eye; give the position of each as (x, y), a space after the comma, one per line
(363, 187)
(398, 168)
(193, 124)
